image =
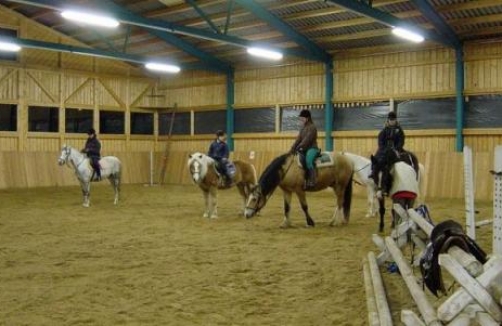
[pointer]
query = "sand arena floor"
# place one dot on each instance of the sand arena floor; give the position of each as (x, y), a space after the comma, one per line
(153, 260)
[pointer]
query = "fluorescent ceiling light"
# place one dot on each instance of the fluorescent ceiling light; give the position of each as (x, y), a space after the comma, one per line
(11, 47)
(263, 53)
(406, 34)
(90, 19)
(162, 67)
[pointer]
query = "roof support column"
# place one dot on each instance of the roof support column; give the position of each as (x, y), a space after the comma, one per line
(328, 114)
(230, 108)
(460, 105)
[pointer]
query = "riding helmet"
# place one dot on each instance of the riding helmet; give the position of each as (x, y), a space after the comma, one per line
(220, 133)
(392, 115)
(305, 114)
(91, 131)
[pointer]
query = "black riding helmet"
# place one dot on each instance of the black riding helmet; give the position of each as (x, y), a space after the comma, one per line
(305, 114)
(220, 133)
(392, 115)
(91, 131)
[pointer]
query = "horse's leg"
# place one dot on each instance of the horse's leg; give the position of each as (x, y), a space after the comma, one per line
(115, 182)
(371, 201)
(213, 202)
(303, 202)
(287, 208)
(86, 192)
(242, 191)
(206, 203)
(338, 208)
(381, 205)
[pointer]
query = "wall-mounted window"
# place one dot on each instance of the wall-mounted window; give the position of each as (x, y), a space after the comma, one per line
(141, 123)
(181, 123)
(8, 117)
(43, 119)
(78, 120)
(4, 55)
(111, 122)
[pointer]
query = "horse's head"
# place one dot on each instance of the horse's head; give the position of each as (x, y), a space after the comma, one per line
(255, 202)
(381, 175)
(197, 165)
(65, 154)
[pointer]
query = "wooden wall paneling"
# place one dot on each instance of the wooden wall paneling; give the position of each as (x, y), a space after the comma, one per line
(76, 62)
(8, 141)
(78, 90)
(42, 87)
(111, 92)
(9, 83)
(42, 142)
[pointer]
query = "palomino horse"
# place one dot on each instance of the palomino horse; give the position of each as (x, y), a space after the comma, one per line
(110, 168)
(335, 171)
(205, 174)
(399, 176)
(362, 172)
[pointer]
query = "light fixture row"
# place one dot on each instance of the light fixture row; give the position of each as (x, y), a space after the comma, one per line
(109, 22)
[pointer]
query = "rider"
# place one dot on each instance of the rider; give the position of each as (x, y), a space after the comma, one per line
(219, 151)
(390, 137)
(93, 150)
(306, 146)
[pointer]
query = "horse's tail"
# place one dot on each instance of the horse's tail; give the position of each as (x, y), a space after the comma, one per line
(347, 198)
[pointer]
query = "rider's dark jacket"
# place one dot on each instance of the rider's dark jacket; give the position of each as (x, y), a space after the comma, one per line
(218, 150)
(93, 148)
(391, 137)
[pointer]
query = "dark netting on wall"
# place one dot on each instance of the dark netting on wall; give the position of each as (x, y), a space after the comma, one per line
(290, 121)
(369, 117)
(483, 112)
(181, 125)
(427, 114)
(208, 122)
(254, 120)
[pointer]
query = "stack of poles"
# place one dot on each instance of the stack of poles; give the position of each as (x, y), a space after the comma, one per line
(475, 300)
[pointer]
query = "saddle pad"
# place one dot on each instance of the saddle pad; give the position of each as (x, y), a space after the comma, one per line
(323, 160)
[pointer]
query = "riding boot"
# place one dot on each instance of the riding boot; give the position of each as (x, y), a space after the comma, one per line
(311, 176)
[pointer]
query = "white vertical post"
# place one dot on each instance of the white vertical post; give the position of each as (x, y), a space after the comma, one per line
(497, 202)
(470, 222)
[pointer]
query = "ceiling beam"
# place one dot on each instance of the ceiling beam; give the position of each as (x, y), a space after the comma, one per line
(390, 20)
(207, 59)
(284, 28)
(437, 21)
(165, 31)
(58, 47)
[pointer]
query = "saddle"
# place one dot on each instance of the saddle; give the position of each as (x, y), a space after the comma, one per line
(323, 159)
(231, 169)
(444, 235)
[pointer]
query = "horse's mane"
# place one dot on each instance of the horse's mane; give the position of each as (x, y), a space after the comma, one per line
(271, 177)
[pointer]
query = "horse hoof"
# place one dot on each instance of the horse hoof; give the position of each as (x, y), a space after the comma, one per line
(284, 226)
(85, 205)
(205, 215)
(214, 216)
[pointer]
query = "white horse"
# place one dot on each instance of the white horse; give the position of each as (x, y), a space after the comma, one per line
(362, 170)
(202, 168)
(110, 168)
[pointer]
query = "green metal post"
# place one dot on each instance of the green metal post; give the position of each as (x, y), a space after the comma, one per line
(328, 115)
(459, 74)
(230, 109)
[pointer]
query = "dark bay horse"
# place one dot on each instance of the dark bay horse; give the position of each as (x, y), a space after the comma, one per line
(204, 173)
(285, 172)
(397, 176)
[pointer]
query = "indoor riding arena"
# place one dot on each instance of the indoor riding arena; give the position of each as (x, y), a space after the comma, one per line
(156, 80)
